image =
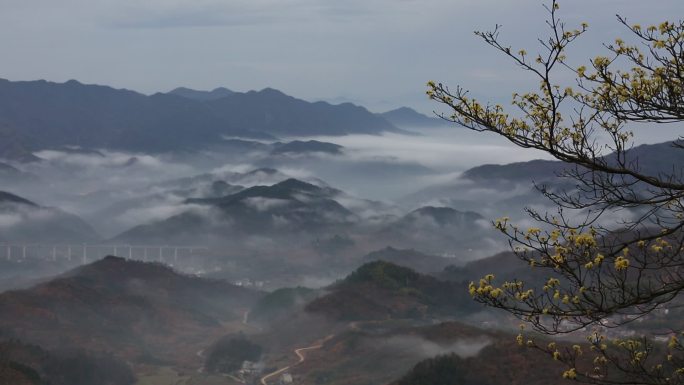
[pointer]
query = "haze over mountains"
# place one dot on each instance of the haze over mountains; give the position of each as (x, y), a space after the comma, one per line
(176, 237)
(22, 220)
(139, 313)
(407, 117)
(39, 115)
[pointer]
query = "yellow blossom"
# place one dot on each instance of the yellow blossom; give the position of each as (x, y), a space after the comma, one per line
(585, 239)
(621, 263)
(570, 374)
(599, 259)
(673, 342)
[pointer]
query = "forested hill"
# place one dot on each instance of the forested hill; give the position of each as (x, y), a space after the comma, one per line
(382, 290)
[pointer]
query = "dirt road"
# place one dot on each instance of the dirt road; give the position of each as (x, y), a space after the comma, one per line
(300, 354)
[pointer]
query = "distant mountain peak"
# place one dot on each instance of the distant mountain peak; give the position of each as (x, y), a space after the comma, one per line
(403, 110)
(296, 184)
(272, 91)
(114, 268)
(381, 290)
(406, 117)
(533, 169)
(189, 93)
(410, 258)
(383, 273)
(263, 170)
(304, 147)
(6, 197)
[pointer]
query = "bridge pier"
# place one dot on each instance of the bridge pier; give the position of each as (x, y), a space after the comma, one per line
(53, 252)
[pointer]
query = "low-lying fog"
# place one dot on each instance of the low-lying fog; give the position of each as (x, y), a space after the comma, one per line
(384, 168)
(373, 194)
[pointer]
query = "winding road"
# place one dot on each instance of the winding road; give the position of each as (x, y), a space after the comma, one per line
(300, 354)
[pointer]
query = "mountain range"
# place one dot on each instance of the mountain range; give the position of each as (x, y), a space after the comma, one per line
(37, 115)
(122, 318)
(497, 190)
(136, 310)
(314, 211)
(288, 206)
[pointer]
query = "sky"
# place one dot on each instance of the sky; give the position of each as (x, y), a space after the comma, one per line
(377, 53)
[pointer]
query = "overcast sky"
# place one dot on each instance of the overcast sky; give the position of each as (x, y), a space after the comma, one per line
(378, 53)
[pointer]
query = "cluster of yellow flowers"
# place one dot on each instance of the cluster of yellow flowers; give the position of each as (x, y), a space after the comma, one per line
(551, 283)
(538, 107)
(501, 223)
(628, 344)
(600, 360)
(533, 232)
(646, 81)
(570, 374)
(621, 263)
(485, 287)
(660, 245)
(598, 260)
(585, 240)
(673, 342)
(524, 295)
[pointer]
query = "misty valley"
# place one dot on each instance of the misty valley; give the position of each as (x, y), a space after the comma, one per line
(219, 237)
(268, 192)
